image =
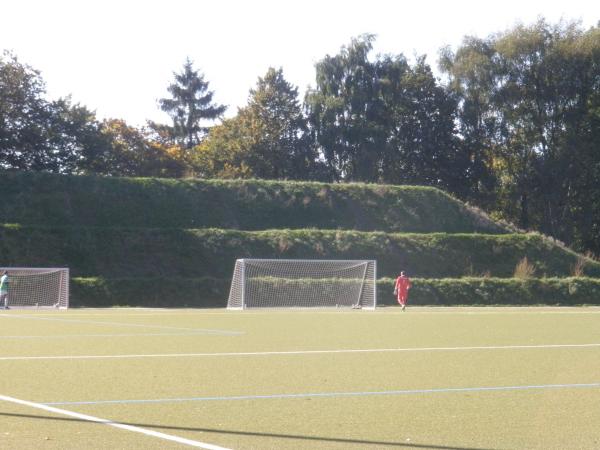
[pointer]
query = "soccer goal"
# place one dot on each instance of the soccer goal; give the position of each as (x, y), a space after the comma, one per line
(303, 283)
(37, 287)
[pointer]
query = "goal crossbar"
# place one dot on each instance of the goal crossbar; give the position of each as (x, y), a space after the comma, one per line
(303, 283)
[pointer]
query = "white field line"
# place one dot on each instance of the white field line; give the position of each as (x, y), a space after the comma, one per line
(388, 310)
(337, 394)
(123, 426)
(299, 352)
(114, 335)
(122, 324)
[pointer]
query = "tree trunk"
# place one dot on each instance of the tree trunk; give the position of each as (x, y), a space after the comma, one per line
(524, 222)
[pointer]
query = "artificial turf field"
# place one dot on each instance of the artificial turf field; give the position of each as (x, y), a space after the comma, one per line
(452, 378)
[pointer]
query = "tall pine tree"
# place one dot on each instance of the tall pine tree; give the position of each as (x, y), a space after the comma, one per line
(191, 103)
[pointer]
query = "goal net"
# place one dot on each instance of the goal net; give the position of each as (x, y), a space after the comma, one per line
(37, 287)
(303, 283)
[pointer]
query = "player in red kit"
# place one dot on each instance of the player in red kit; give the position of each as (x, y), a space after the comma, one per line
(401, 289)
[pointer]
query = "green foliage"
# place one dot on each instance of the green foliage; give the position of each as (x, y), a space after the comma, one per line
(99, 227)
(52, 200)
(343, 112)
(190, 103)
(209, 292)
(36, 134)
(157, 292)
(274, 130)
(515, 129)
(223, 154)
(57, 136)
(122, 150)
(267, 139)
(528, 114)
(494, 291)
(142, 252)
(384, 121)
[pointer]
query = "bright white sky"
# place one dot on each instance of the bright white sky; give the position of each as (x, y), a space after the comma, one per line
(117, 57)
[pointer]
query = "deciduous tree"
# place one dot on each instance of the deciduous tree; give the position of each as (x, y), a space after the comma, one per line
(37, 134)
(267, 139)
(384, 120)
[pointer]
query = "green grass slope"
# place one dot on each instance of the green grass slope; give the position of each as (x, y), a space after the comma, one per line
(172, 252)
(60, 200)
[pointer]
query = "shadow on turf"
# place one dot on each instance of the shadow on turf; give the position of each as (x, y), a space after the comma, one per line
(250, 433)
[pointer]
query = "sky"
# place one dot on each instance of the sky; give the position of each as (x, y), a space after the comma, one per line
(118, 57)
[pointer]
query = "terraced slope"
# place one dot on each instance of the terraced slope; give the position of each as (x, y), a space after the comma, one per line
(193, 253)
(174, 242)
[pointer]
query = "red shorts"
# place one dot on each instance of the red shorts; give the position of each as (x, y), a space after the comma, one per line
(402, 297)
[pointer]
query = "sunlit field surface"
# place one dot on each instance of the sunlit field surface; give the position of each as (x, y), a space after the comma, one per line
(451, 378)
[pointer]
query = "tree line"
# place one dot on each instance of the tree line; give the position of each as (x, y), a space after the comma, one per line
(512, 125)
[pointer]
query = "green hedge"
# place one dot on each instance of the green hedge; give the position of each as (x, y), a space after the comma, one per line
(573, 291)
(205, 292)
(128, 253)
(61, 200)
(211, 292)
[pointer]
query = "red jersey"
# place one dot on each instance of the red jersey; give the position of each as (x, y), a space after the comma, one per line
(403, 284)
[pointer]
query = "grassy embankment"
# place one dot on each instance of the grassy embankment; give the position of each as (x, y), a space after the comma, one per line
(174, 242)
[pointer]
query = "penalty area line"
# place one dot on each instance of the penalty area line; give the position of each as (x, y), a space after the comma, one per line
(133, 428)
(98, 335)
(304, 352)
(340, 394)
(126, 324)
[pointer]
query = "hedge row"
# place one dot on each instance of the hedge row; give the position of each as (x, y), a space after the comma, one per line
(61, 200)
(210, 292)
(205, 292)
(128, 253)
(573, 291)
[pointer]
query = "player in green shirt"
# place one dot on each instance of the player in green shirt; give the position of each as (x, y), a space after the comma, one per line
(4, 289)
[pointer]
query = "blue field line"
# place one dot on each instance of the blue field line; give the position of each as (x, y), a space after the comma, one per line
(335, 394)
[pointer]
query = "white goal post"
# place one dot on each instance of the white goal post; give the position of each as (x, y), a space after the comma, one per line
(303, 283)
(37, 287)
